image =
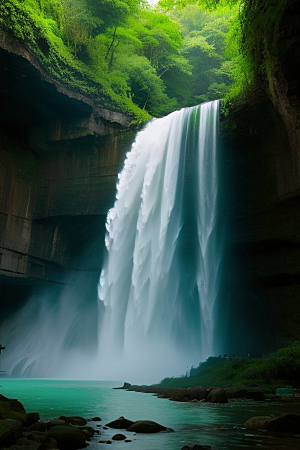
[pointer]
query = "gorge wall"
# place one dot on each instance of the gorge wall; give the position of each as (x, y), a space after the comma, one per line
(59, 159)
(263, 220)
(60, 156)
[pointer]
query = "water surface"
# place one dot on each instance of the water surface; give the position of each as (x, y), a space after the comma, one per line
(220, 426)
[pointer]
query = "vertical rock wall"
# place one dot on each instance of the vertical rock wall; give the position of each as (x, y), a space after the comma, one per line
(59, 160)
(264, 222)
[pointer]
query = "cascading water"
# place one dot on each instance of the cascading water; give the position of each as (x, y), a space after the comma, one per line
(159, 285)
(158, 290)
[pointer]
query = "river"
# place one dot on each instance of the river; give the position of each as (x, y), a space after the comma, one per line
(217, 425)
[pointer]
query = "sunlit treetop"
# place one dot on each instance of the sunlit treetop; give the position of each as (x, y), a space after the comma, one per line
(168, 5)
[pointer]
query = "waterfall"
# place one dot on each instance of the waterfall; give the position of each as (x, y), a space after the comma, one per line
(158, 289)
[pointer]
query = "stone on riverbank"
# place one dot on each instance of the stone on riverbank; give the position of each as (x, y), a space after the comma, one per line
(200, 393)
(197, 447)
(147, 426)
(20, 430)
(67, 437)
(120, 424)
(251, 394)
(74, 420)
(180, 396)
(14, 425)
(257, 422)
(286, 423)
(119, 437)
(217, 395)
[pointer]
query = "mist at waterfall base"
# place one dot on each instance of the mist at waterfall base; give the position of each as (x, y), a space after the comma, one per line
(157, 312)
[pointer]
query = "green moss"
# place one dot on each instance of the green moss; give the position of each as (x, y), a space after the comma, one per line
(7, 413)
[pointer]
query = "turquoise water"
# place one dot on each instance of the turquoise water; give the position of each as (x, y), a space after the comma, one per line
(220, 426)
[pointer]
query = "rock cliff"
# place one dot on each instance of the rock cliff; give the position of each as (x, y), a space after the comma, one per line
(59, 159)
(263, 212)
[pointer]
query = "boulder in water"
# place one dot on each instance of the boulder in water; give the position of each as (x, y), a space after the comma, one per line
(197, 447)
(147, 426)
(217, 396)
(67, 437)
(197, 393)
(287, 423)
(120, 424)
(180, 396)
(89, 432)
(257, 422)
(74, 420)
(119, 437)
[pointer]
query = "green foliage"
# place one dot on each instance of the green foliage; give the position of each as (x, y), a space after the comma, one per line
(256, 45)
(237, 67)
(136, 58)
(204, 39)
(260, 20)
(168, 5)
(279, 369)
(143, 52)
(30, 22)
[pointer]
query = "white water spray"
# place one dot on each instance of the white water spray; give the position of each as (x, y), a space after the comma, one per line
(159, 285)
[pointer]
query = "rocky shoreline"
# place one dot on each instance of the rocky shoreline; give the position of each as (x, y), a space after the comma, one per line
(20, 430)
(203, 394)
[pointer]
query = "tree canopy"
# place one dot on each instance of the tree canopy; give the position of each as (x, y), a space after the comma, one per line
(147, 59)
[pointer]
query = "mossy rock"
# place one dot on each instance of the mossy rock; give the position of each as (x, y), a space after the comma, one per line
(7, 437)
(67, 437)
(10, 431)
(12, 409)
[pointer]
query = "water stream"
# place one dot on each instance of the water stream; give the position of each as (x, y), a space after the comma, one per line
(160, 283)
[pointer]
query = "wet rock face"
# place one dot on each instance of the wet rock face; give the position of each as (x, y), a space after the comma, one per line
(261, 201)
(59, 159)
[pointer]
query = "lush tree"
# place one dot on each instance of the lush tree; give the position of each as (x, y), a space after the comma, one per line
(146, 50)
(129, 53)
(204, 34)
